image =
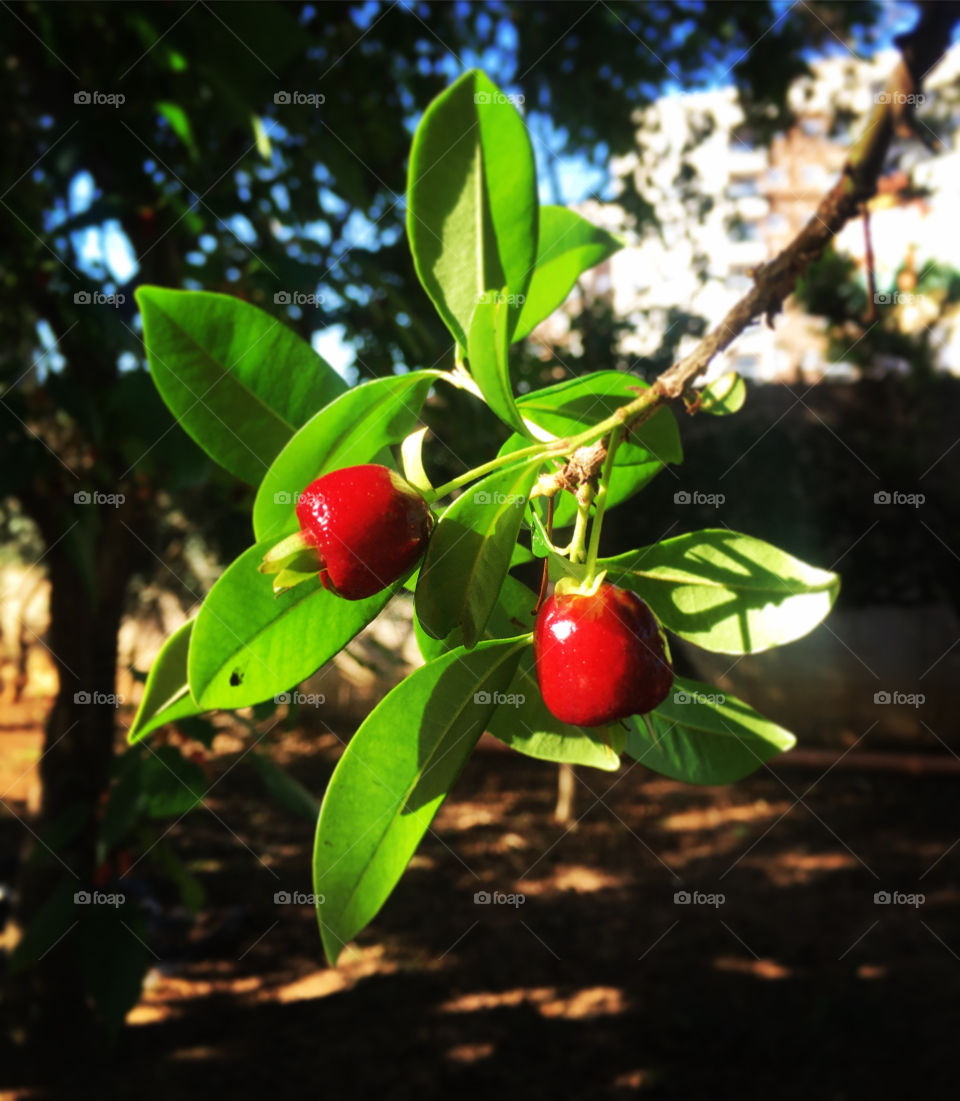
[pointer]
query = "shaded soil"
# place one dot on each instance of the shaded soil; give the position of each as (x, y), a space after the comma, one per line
(796, 985)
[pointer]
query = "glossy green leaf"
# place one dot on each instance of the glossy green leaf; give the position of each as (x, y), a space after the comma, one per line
(469, 553)
(512, 615)
(238, 381)
(392, 778)
(727, 592)
(487, 355)
(568, 246)
(571, 406)
(353, 429)
(166, 695)
(701, 736)
(411, 452)
(472, 201)
(724, 396)
(579, 403)
(248, 645)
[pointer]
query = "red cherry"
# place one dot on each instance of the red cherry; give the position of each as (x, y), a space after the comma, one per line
(369, 527)
(599, 658)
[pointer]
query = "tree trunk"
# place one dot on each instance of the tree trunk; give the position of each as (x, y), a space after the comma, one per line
(86, 607)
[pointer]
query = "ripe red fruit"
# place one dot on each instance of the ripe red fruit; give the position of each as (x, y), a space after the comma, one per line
(368, 525)
(599, 658)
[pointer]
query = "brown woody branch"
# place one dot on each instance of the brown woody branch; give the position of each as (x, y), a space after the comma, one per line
(774, 281)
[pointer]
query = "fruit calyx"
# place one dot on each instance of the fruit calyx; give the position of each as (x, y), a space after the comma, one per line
(292, 561)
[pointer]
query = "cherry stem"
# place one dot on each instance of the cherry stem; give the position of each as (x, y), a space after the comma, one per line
(579, 541)
(601, 503)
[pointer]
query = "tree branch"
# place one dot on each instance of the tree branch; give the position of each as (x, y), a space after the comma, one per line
(920, 50)
(773, 282)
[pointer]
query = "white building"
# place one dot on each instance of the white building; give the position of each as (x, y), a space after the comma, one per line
(726, 206)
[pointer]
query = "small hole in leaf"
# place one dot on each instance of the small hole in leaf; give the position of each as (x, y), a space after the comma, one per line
(235, 678)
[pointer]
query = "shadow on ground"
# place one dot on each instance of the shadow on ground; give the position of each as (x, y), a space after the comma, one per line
(796, 984)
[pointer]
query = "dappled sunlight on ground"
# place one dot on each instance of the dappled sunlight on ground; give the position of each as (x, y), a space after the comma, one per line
(581, 971)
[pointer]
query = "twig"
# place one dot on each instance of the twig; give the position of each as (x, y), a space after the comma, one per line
(871, 278)
(920, 50)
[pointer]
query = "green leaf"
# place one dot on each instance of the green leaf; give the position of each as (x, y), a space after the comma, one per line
(392, 778)
(411, 452)
(469, 553)
(579, 403)
(286, 791)
(172, 785)
(248, 645)
(180, 124)
(472, 201)
(487, 355)
(238, 381)
(701, 736)
(724, 396)
(568, 246)
(124, 803)
(113, 957)
(166, 696)
(727, 592)
(51, 922)
(512, 614)
(353, 429)
(192, 894)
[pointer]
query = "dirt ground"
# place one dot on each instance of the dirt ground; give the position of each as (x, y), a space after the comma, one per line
(782, 978)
